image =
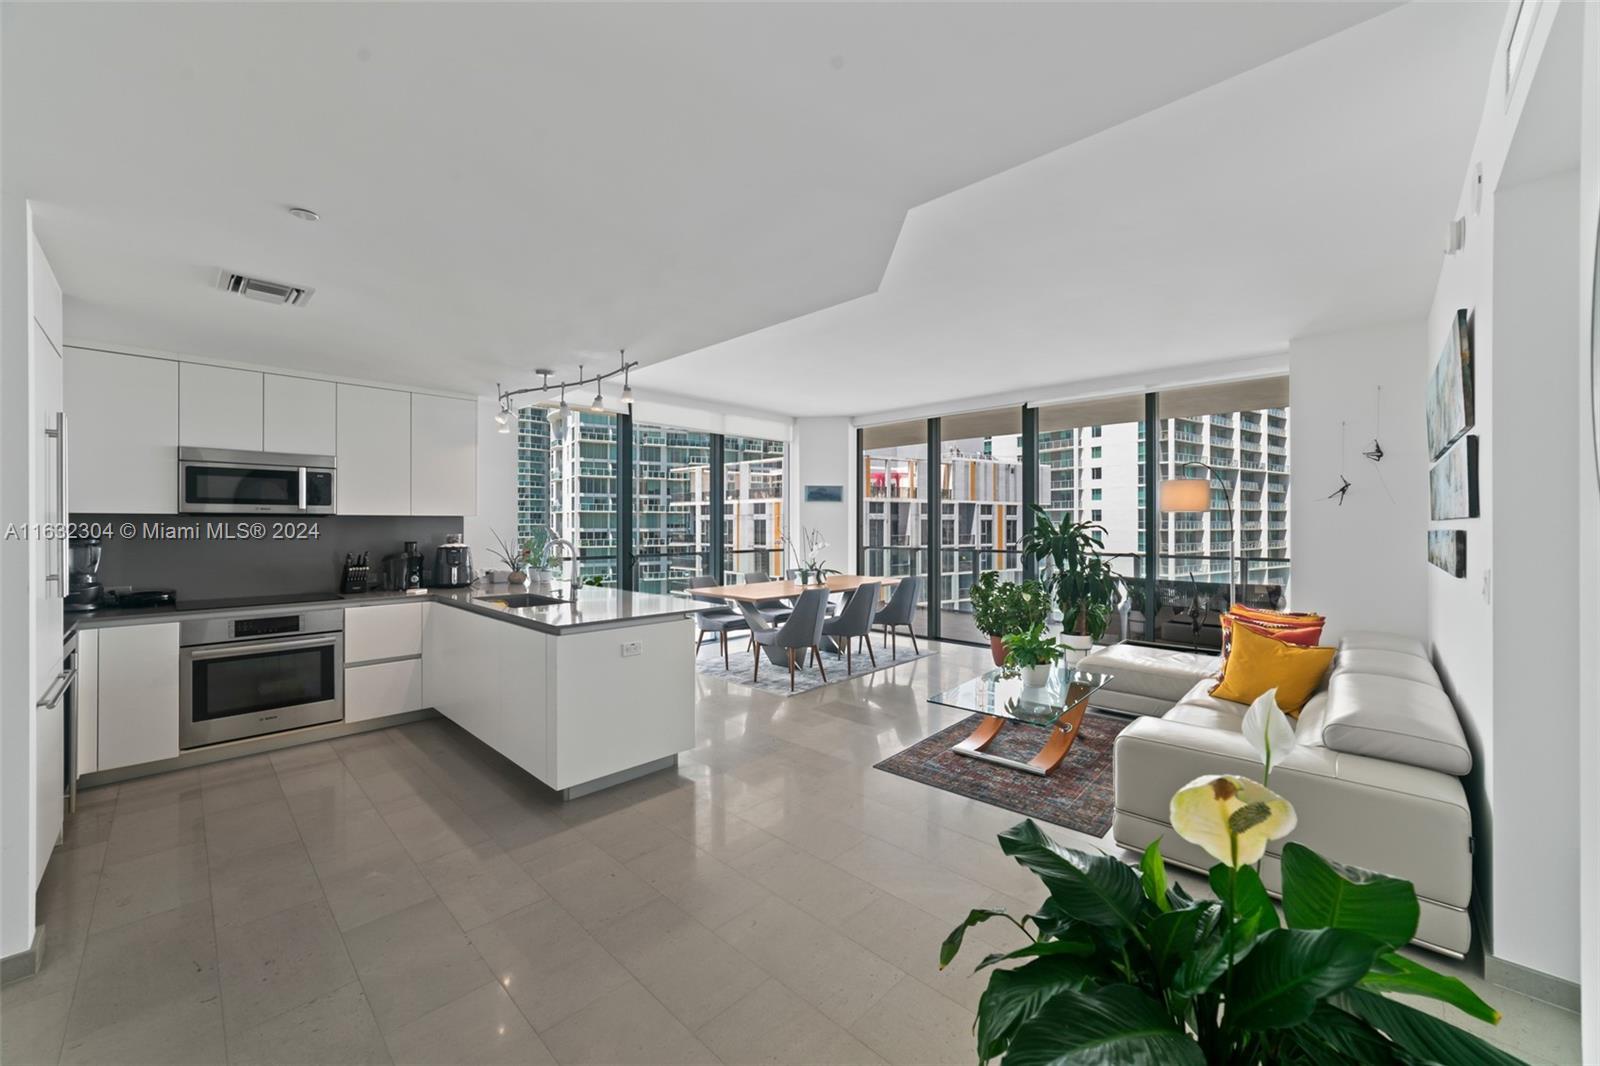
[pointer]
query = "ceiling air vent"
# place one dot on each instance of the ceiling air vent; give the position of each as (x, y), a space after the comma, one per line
(272, 292)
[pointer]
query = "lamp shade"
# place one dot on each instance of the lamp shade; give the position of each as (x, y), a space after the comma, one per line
(1185, 494)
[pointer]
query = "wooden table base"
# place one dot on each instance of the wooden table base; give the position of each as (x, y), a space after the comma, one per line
(1055, 749)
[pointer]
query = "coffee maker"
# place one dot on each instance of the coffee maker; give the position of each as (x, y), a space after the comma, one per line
(404, 571)
(84, 591)
(452, 563)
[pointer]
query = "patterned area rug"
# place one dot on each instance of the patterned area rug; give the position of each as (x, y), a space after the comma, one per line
(1077, 794)
(775, 676)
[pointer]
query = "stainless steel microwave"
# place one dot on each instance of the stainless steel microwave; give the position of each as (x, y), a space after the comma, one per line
(223, 481)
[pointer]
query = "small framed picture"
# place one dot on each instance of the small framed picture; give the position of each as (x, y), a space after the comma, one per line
(824, 493)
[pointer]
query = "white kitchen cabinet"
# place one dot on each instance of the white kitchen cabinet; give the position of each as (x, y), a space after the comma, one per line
(138, 694)
(122, 413)
(444, 455)
(299, 416)
(378, 690)
(374, 450)
(382, 631)
(88, 705)
(219, 407)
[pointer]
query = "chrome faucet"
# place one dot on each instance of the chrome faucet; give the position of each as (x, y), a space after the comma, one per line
(571, 556)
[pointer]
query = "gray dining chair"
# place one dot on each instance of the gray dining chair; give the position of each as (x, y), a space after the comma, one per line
(800, 632)
(718, 620)
(772, 610)
(854, 622)
(901, 610)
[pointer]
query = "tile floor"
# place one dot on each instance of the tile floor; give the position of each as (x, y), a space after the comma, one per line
(407, 896)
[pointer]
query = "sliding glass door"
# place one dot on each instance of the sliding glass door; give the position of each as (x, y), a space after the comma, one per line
(754, 479)
(980, 511)
(895, 532)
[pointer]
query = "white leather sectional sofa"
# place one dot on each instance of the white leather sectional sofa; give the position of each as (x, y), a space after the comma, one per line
(1375, 778)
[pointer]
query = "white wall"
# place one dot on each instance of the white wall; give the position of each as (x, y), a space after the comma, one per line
(823, 453)
(1362, 563)
(1518, 607)
(1588, 588)
(497, 489)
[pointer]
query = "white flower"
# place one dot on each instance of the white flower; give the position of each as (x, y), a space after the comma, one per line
(1232, 818)
(1268, 731)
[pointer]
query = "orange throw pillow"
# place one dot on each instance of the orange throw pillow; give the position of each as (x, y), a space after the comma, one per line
(1302, 629)
(1259, 663)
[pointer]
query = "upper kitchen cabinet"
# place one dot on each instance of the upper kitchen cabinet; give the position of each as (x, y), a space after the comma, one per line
(300, 416)
(374, 450)
(444, 455)
(123, 412)
(219, 407)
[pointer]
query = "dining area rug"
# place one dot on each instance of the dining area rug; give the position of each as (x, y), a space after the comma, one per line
(1078, 794)
(775, 676)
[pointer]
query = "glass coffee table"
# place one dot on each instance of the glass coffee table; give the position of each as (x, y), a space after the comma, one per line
(1002, 697)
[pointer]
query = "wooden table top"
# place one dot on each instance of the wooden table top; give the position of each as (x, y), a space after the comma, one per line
(784, 590)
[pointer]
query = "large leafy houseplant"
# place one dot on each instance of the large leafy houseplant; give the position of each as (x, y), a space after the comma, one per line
(1125, 967)
(1002, 607)
(1085, 586)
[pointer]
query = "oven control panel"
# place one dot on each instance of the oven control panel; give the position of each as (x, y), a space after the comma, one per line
(266, 627)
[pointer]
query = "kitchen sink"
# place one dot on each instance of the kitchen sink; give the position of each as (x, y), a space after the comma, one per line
(522, 599)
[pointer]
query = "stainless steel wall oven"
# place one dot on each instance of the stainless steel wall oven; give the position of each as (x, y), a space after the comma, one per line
(245, 677)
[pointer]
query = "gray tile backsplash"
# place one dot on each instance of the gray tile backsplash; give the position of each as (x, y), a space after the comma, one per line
(212, 566)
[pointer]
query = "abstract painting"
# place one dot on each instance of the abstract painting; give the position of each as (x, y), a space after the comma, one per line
(1450, 400)
(824, 493)
(1453, 482)
(1447, 549)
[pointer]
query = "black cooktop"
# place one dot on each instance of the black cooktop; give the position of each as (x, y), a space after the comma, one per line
(254, 601)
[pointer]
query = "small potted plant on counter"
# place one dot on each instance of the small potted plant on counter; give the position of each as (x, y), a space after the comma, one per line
(1085, 586)
(1033, 653)
(530, 553)
(1001, 607)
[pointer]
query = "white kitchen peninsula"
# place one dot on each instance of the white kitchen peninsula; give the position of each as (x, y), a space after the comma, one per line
(580, 695)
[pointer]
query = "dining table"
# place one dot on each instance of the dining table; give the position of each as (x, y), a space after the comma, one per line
(783, 589)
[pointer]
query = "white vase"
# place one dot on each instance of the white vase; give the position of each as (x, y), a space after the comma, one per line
(1074, 646)
(1036, 676)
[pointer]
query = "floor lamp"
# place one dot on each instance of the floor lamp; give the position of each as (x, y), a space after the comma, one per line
(1192, 495)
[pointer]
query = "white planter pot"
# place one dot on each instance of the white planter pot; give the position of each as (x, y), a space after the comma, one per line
(1074, 647)
(1036, 676)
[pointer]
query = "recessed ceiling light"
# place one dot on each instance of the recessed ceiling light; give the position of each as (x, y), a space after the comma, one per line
(304, 214)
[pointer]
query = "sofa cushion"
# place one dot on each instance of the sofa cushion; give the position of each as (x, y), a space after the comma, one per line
(1389, 663)
(1396, 719)
(1258, 663)
(1371, 640)
(1158, 673)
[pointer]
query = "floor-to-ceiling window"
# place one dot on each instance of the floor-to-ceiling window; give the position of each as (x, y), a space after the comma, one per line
(753, 491)
(1091, 459)
(671, 506)
(1099, 461)
(583, 490)
(1236, 435)
(894, 530)
(980, 510)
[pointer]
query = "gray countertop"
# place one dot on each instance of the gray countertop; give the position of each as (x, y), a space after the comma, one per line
(596, 608)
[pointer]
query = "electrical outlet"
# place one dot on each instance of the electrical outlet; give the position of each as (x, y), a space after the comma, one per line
(632, 647)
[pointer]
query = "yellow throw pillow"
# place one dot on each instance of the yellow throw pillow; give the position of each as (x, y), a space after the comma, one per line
(1257, 663)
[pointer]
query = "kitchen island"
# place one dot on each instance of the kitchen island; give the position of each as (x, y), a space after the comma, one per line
(582, 695)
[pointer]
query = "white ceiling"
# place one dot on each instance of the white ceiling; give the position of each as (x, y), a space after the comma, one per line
(1306, 195)
(505, 186)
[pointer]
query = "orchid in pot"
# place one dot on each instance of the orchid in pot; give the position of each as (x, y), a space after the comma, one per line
(1124, 966)
(808, 558)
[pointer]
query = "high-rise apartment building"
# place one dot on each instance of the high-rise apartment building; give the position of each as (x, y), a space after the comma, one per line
(567, 481)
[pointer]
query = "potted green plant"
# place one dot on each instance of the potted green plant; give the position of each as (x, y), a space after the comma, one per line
(1125, 966)
(1001, 607)
(1081, 578)
(1033, 653)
